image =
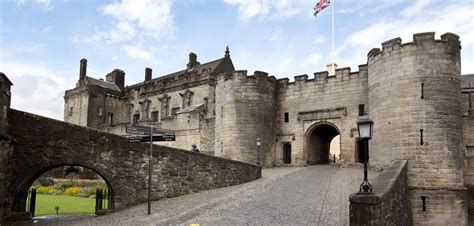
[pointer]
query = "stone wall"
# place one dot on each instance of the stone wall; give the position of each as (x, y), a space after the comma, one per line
(76, 107)
(5, 156)
(389, 205)
(321, 99)
(468, 128)
(245, 111)
(43, 144)
(443, 206)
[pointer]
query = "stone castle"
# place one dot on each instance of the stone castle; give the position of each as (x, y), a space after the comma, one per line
(414, 92)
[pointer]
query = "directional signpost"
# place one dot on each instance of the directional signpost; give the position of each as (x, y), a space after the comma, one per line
(149, 134)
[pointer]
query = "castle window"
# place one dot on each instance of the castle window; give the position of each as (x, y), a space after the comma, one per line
(174, 110)
(287, 117)
(222, 111)
(70, 111)
(99, 112)
(136, 117)
(154, 116)
(110, 118)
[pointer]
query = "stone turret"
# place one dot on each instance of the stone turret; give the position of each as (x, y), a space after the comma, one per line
(416, 108)
(227, 52)
(242, 117)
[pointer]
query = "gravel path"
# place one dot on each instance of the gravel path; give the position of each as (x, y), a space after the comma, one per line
(312, 195)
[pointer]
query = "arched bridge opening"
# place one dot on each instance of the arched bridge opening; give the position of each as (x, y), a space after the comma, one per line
(319, 139)
(64, 190)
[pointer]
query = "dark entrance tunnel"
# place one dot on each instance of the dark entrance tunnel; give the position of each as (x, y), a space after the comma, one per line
(319, 144)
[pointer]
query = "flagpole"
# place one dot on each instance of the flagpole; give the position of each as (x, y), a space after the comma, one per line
(333, 55)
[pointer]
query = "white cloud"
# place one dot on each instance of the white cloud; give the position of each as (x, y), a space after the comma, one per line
(277, 9)
(135, 20)
(415, 9)
(314, 59)
(319, 39)
(37, 89)
(47, 29)
(137, 52)
(435, 17)
(44, 4)
(275, 35)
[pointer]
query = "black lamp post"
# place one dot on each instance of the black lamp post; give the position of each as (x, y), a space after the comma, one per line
(259, 142)
(365, 126)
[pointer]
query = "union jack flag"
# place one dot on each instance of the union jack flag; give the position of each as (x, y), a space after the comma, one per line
(320, 6)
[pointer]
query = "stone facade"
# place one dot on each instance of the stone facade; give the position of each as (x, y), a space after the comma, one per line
(5, 140)
(40, 145)
(411, 91)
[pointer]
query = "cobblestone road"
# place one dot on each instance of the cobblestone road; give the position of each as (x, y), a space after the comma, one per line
(312, 195)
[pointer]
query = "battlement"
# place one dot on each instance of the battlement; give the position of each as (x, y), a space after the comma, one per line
(448, 40)
(322, 77)
(243, 75)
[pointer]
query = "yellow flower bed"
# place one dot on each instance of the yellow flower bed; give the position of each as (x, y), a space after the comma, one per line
(44, 189)
(73, 191)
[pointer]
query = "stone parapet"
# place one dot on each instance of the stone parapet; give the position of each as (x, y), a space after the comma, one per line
(389, 204)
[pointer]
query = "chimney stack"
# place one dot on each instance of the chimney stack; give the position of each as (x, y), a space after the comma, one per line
(83, 69)
(331, 69)
(148, 73)
(117, 77)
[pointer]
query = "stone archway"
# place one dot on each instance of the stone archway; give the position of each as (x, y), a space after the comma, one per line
(20, 197)
(318, 143)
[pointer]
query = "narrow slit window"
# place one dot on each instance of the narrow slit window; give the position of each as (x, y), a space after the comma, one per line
(421, 137)
(422, 90)
(287, 117)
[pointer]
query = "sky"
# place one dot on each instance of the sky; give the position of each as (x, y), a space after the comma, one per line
(42, 41)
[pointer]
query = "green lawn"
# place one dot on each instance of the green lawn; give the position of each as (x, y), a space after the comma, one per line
(45, 205)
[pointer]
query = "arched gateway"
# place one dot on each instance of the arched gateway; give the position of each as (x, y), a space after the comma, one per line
(318, 142)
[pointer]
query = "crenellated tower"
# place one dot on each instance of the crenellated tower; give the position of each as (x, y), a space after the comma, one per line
(245, 111)
(415, 103)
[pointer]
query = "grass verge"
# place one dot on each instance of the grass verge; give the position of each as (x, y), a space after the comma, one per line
(45, 205)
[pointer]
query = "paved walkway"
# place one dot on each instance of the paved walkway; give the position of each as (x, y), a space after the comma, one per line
(312, 195)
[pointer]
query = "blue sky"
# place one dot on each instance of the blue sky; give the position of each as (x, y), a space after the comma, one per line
(42, 41)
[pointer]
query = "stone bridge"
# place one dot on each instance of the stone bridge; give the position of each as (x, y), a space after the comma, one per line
(32, 145)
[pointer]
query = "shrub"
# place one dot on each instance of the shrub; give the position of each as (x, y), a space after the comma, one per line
(62, 185)
(84, 192)
(91, 191)
(45, 181)
(71, 169)
(101, 185)
(73, 191)
(44, 189)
